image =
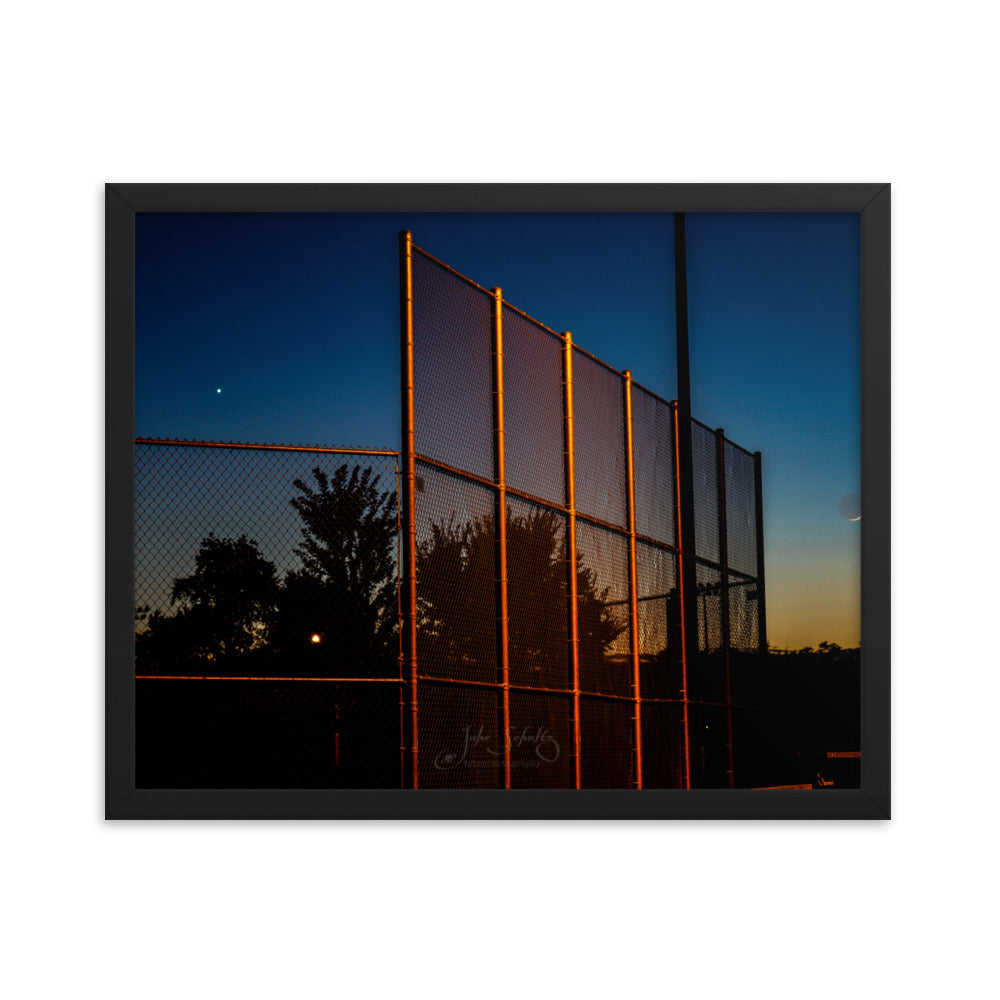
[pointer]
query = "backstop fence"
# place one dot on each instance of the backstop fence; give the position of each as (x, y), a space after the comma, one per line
(561, 627)
(511, 601)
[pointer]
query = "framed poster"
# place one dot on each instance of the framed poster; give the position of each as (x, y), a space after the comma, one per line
(497, 501)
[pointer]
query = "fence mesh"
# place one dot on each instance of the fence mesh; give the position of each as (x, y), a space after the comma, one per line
(533, 409)
(741, 508)
(653, 448)
(265, 568)
(659, 623)
(744, 634)
(599, 440)
(605, 743)
(541, 735)
(456, 577)
(460, 578)
(662, 744)
(265, 562)
(707, 667)
(704, 461)
(459, 730)
(536, 603)
(452, 366)
(603, 610)
(267, 585)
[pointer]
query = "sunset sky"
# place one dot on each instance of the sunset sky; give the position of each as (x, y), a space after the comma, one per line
(284, 328)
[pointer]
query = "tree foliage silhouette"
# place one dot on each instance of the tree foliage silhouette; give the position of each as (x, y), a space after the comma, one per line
(337, 615)
(345, 592)
(225, 608)
(456, 602)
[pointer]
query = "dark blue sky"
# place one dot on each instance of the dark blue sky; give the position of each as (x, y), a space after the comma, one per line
(296, 319)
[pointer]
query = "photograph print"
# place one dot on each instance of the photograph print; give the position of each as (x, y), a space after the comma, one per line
(497, 500)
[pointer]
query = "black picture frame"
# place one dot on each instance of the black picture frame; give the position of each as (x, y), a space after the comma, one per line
(124, 801)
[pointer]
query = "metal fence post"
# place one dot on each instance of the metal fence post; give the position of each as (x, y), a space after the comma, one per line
(720, 453)
(633, 586)
(758, 491)
(685, 475)
(571, 581)
(408, 508)
(500, 531)
(683, 556)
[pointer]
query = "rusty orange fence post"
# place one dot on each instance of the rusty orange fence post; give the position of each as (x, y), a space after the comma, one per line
(500, 531)
(409, 514)
(720, 456)
(682, 573)
(571, 581)
(633, 589)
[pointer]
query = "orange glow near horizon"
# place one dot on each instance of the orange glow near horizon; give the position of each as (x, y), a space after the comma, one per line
(807, 610)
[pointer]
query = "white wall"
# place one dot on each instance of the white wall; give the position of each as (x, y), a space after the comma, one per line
(540, 91)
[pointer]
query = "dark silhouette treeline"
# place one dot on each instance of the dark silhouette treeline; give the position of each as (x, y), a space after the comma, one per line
(336, 617)
(455, 599)
(794, 707)
(333, 617)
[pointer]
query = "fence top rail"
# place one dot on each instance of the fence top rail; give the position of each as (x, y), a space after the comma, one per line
(597, 360)
(711, 430)
(531, 319)
(652, 395)
(179, 443)
(440, 263)
(739, 447)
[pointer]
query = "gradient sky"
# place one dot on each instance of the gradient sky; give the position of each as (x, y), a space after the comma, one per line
(295, 317)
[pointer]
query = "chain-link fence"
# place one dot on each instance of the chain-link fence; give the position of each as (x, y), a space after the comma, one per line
(267, 616)
(514, 601)
(569, 630)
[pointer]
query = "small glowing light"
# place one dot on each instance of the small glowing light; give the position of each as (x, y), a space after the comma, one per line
(218, 390)
(315, 638)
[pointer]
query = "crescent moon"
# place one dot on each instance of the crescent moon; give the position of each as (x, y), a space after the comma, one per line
(850, 506)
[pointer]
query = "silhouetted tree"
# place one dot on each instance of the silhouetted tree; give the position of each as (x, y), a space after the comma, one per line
(456, 602)
(225, 608)
(345, 593)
